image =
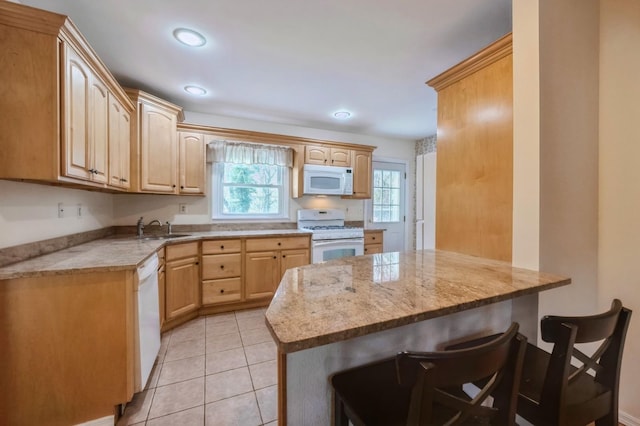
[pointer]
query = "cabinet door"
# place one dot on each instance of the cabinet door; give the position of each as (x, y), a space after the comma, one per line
(119, 138)
(316, 155)
(76, 117)
(361, 174)
(158, 149)
(161, 293)
(340, 157)
(182, 280)
(262, 274)
(292, 259)
(192, 158)
(98, 124)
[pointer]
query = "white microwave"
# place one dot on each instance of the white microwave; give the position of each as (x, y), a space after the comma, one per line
(327, 180)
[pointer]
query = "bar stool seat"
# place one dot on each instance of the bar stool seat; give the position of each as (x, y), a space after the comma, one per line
(425, 388)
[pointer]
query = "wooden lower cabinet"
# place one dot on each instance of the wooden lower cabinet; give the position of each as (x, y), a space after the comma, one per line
(182, 295)
(264, 269)
(373, 241)
(262, 274)
(67, 347)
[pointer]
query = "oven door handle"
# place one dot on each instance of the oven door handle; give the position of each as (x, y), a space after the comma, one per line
(321, 243)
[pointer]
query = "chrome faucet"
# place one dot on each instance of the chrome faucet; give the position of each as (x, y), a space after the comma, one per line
(168, 228)
(140, 226)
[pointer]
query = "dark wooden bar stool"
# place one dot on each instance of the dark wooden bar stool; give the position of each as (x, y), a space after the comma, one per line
(425, 388)
(555, 392)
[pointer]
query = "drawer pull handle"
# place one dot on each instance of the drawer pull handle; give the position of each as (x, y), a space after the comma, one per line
(222, 290)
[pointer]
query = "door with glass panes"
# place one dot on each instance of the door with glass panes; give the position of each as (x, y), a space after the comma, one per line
(386, 209)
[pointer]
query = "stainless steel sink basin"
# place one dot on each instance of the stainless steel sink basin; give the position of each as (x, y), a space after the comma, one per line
(164, 237)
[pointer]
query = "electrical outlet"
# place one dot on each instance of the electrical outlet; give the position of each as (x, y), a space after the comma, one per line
(182, 208)
(60, 210)
(79, 210)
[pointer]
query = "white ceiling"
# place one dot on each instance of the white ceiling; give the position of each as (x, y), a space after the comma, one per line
(293, 61)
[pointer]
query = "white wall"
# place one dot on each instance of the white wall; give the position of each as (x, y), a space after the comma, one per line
(29, 212)
(128, 208)
(619, 204)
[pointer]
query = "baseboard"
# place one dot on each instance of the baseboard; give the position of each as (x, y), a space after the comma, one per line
(627, 419)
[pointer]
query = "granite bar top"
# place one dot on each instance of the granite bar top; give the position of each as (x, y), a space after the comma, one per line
(345, 298)
(117, 252)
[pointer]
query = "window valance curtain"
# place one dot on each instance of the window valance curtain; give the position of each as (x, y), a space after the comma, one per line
(221, 151)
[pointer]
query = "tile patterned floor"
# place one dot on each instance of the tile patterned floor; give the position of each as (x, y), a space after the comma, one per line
(215, 370)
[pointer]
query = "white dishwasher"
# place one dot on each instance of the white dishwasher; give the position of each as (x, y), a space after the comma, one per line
(148, 317)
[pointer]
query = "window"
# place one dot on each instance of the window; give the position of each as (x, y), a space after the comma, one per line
(250, 191)
(249, 181)
(386, 195)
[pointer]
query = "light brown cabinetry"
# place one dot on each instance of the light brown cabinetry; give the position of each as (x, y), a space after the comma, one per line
(266, 261)
(119, 137)
(161, 286)
(474, 173)
(154, 144)
(362, 170)
(373, 241)
(58, 106)
(328, 156)
(221, 271)
(191, 162)
(182, 295)
(68, 346)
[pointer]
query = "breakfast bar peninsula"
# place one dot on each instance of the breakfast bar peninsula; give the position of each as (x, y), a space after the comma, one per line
(331, 316)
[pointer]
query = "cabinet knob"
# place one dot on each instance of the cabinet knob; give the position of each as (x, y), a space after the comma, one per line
(181, 187)
(366, 249)
(279, 244)
(173, 186)
(221, 247)
(222, 290)
(373, 238)
(275, 257)
(221, 266)
(284, 255)
(197, 263)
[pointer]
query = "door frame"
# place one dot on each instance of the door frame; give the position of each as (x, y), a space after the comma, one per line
(407, 196)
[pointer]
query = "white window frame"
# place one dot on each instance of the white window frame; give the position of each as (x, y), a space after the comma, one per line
(217, 191)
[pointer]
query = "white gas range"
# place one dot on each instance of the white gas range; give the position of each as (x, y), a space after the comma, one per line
(330, 238)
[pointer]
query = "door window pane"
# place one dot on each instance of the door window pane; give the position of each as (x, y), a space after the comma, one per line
(386, 195)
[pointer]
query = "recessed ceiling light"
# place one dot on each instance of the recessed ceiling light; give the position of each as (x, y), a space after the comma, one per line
(189, 37)
(342, 115)
(195, 90)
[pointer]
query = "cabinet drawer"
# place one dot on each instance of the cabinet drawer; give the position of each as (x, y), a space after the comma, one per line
(373, 237)
(178, 251)
(373, 248)
(221, 246)
(286, 243)
(221, 266)
(219, 291)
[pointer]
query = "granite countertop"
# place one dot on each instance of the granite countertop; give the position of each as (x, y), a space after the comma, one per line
(117, 252)
(350, 297)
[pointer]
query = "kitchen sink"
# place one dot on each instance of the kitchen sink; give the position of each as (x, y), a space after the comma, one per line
(163, 237)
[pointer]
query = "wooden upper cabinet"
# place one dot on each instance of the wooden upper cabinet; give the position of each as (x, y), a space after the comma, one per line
(86, 121)
(362, 170)
(60, 123)
(191, 164)
(327, 156)
(154, 144)
(119, 137)
(76, 116)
